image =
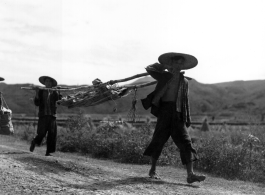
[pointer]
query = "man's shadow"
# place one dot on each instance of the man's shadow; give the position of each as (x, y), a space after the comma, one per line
(48, 165)
(106, 185)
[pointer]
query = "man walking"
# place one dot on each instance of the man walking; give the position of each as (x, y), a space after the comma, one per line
(170, 104)
(46, 100)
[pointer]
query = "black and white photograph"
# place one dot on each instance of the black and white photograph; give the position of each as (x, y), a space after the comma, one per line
(122, 97)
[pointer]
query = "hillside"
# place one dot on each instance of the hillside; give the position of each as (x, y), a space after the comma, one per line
(230, 98)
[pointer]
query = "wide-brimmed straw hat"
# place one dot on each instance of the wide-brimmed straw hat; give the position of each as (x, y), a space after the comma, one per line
(190, 61)
(2, 79)
(43, 78)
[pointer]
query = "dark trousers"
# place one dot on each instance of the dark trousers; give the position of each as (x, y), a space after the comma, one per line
(47, 124)
(170, 123)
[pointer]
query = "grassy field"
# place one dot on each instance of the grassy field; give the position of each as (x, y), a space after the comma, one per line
(232, 152)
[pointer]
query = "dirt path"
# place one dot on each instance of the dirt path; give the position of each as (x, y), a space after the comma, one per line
(23, 172)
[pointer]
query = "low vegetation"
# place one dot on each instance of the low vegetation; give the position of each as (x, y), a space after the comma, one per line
(233, 152)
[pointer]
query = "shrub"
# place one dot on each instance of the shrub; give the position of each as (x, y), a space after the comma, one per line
(230, 152)
(74, 137)
(222, 155)
(25, 132)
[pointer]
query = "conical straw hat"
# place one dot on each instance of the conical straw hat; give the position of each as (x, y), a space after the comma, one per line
(190, 61)
(42, 80)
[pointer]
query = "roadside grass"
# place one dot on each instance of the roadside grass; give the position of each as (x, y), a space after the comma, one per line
(232, 152)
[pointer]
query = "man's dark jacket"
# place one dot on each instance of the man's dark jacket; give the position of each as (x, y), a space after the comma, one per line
(54, 97)
(163, 77)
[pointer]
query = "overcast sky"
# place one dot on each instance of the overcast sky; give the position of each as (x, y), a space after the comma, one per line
(76, 41)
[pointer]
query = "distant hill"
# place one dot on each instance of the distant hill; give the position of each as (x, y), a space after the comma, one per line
(224, 98)
(229, 98)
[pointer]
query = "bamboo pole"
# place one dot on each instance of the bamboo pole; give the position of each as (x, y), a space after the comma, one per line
(90, 88)
(140, 86)
(128, 78)
(134, 77)
(57, 89)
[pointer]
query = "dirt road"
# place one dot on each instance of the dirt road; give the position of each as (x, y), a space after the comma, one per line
(23, 172)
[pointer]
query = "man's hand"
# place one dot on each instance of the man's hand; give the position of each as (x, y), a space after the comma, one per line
(162, 67)
(156, 67)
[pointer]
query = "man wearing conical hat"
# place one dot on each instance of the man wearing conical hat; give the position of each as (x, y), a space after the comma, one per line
(46, 100)
(170, 104)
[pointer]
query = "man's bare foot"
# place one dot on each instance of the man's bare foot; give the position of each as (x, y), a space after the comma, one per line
(154, 175)
(194, 177)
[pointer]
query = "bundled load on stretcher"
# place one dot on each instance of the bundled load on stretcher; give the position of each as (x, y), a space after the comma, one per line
(102, 92)
(95, 94)
(98, 93)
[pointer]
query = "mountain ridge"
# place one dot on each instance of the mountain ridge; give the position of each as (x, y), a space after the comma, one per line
(234, 98)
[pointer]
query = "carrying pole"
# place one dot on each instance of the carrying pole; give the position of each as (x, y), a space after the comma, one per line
(90, 88)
